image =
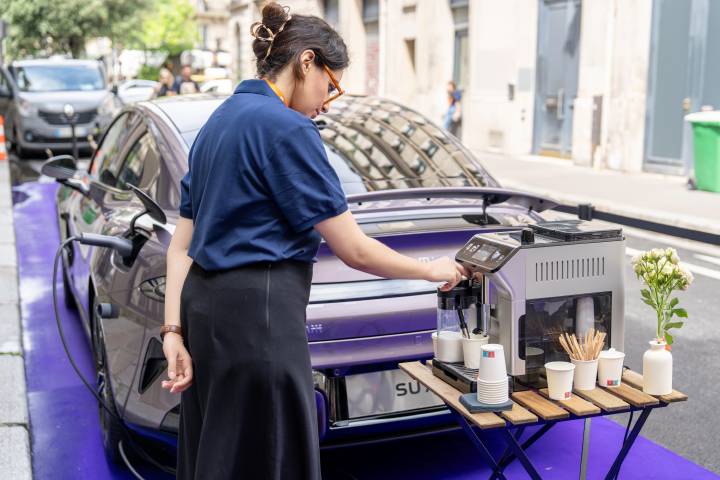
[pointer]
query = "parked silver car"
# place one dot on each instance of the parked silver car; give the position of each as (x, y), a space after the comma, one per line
(38, 99)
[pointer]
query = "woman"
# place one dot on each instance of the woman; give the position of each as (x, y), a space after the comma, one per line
(259, 194)
(164, 86)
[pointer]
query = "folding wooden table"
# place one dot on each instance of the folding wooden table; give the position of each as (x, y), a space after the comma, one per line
(533, 407)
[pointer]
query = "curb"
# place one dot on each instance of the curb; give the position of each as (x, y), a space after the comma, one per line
(15, 449)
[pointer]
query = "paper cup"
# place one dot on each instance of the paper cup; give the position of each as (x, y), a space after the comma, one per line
(434, 340)
(585, 374)
(610, 366)
(449, 346)
(559, 379)
(472, 350)
(492, 363)
(493, 395)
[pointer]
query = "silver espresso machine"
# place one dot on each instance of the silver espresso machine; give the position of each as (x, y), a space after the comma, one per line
(546, 279)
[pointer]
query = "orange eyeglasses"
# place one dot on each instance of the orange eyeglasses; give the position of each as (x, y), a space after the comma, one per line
(336, 90)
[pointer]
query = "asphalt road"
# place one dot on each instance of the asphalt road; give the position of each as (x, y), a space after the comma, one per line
(687, 428)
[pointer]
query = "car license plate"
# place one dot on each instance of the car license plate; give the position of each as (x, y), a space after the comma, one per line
(66, 132)
(389, 391)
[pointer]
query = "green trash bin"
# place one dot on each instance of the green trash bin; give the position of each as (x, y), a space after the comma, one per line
(706, 143)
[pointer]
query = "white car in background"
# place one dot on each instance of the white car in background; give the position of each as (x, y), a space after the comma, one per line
(136, 90)
(222, 86)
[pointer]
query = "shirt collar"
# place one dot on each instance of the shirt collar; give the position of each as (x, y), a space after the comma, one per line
(257, 86)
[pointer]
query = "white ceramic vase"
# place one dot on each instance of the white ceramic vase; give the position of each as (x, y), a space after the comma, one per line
(657, 369)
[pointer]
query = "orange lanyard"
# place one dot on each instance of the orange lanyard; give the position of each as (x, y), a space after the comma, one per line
(277, 91)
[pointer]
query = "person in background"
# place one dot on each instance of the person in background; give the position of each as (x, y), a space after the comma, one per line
(185, 84)
(165, 85)
(453, 117)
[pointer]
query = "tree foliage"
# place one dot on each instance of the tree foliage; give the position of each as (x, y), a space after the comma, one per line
(46, 27)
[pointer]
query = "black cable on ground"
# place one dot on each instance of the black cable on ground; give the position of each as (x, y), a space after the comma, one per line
(139, 450)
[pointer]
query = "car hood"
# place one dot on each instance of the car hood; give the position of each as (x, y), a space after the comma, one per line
(56, 101)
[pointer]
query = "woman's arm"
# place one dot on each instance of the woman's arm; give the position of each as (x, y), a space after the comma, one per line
(178, 263)
(361, 252)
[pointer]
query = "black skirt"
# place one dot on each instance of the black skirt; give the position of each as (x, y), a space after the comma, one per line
(250, 412)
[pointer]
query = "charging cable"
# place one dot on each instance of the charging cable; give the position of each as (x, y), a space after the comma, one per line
(124, 247)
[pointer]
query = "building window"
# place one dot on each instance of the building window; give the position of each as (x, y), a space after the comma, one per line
(370, 11)
(410, 45)
(331, 12)
(461, 14)
(204, 36)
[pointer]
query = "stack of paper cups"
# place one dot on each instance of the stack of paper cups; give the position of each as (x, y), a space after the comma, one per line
(492, 380)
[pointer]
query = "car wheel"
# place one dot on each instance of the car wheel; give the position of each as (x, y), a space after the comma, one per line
(112, 430)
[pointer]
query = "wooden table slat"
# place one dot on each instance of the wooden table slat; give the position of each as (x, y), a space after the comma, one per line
(450, 395)
(575, 404)
(632, 395)
(635, 380)
(519, 415)
(539, 406)
(603, 399)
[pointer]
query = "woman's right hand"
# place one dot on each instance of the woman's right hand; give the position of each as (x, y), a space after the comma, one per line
(179, 363)
(446, 270)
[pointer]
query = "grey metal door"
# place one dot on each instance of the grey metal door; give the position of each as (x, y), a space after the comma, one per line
(684, 77)
(557, 75)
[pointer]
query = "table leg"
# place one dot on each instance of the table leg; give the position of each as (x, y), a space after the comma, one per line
(506, 455)
(585, 449)
(522, 456)
(526, 444)
(615, 469)
(478, 444)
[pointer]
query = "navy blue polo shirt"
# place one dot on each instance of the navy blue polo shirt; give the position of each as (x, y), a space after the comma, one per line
(258, 181)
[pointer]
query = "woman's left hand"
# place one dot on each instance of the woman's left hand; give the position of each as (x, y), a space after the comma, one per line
(179, 364)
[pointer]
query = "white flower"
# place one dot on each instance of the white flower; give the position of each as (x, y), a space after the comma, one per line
(639, 268)
(672, 255)
(687, 276)
(656, 254)
(668, 269)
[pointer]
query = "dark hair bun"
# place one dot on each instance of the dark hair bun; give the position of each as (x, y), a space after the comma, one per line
(281, 38)
(274, 15)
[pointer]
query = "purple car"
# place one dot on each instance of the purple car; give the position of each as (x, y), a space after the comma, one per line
(409, 184)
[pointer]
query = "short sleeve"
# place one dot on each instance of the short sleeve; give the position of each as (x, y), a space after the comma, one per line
(185, 199)
(301, 180)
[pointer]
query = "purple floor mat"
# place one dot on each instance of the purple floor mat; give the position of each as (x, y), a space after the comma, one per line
(65, 431)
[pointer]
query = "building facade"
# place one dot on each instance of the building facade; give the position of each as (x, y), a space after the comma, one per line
(603, 83)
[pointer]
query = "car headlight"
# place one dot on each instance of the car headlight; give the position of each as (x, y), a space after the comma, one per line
(26, 109)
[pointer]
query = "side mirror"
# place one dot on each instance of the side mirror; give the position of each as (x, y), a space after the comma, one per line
(63, 169)
(114, 89)
(60, 167)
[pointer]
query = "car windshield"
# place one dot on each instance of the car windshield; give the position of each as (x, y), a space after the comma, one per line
(376, 144)
(58, 78)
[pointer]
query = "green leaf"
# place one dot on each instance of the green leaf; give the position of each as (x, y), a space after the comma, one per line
(668, 338)
(680, 312)
(645, 293)
(673, 302)
(670, 325)
(648, 302)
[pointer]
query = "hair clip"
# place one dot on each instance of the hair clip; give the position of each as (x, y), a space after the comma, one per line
(255, 30)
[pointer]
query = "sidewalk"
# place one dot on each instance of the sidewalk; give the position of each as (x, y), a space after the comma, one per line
(657, 198)
(14, 428)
